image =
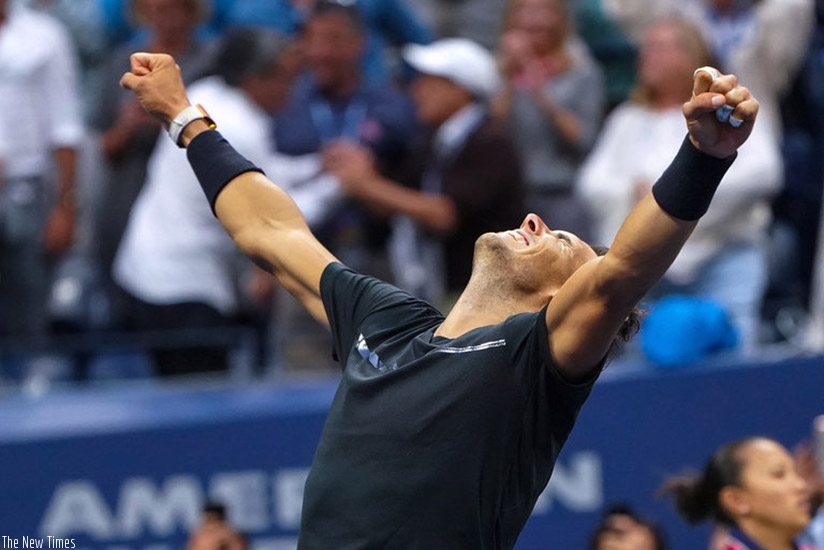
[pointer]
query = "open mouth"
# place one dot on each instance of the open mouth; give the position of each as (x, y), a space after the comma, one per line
(519, 236)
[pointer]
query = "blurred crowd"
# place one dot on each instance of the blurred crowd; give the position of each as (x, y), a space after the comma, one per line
(403, 130)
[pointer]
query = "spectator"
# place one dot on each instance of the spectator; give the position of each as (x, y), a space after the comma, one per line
(389, 25)
(119, 27)
(809, 460)
(477, 20)
(614, 52)
(331, 102)
(623, 529)
(214, 533)
(127, 133)
(40, 104)
(725, 259)
(762, 41)
(798, 208)
(84, 21)
(553, 98)
(77, 310)
(464, 181)
(176, 265)
(752, 490)
(814, 336)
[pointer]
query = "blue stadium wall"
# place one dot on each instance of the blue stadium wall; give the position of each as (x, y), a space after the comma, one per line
(131, 468)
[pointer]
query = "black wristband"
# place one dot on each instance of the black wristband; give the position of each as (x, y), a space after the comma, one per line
(215, 163)
(686, 187)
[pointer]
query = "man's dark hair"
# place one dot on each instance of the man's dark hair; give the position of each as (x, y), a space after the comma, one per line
(622, 509)
(347, 8)
(247, 51)
(216, 509)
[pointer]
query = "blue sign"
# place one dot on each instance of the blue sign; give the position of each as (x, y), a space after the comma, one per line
(132, 468)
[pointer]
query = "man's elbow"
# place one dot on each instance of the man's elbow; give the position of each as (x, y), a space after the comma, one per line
(622, 284)
(250, 242)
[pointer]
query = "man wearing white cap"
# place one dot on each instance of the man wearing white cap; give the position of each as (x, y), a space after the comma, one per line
(464, 180)
(445, 429)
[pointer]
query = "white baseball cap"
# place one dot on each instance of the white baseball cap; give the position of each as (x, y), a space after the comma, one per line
(464, 62)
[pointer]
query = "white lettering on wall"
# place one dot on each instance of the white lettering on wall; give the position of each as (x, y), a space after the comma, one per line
(245, 497)
(578, 487)
(288, 496)
(77, 507)
(160, 512)
(256, 502)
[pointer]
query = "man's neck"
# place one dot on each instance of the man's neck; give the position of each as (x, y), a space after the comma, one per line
(482, 305)
(343, 88)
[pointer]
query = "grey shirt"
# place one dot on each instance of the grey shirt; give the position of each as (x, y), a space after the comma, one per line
(550, 162)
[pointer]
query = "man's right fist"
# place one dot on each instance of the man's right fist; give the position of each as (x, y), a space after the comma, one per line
(155, 79)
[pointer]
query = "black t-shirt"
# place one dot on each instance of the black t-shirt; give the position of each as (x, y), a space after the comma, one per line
(430, 442)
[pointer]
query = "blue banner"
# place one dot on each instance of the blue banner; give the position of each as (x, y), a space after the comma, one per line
(132, 468)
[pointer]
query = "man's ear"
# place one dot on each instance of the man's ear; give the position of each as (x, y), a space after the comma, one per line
(734, 500)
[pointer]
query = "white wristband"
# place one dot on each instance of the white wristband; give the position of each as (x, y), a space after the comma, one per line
(184, 118)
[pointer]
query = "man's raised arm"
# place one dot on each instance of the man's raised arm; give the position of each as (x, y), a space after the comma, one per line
(586, 313)
(260, 217)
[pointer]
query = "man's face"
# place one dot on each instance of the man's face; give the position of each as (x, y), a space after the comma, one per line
(663, 57)
(333, 48)
(534, 257)
(770, 491)
(624, 533)
(541, 22)
(169, 17)
(437, 99)
(270, 89)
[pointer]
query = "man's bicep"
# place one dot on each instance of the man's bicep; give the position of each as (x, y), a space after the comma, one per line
(583, 320)
(267, 226)
(298, 272)
(300, 257)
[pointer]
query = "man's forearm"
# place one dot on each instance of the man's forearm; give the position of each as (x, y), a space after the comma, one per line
(436, 212)
(66, 162)
(659, 225)
(216, 163)
(685, 189)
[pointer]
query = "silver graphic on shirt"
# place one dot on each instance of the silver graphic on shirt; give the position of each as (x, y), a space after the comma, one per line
(379, 365)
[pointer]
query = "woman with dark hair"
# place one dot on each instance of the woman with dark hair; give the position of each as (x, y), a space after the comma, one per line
(751, 488)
